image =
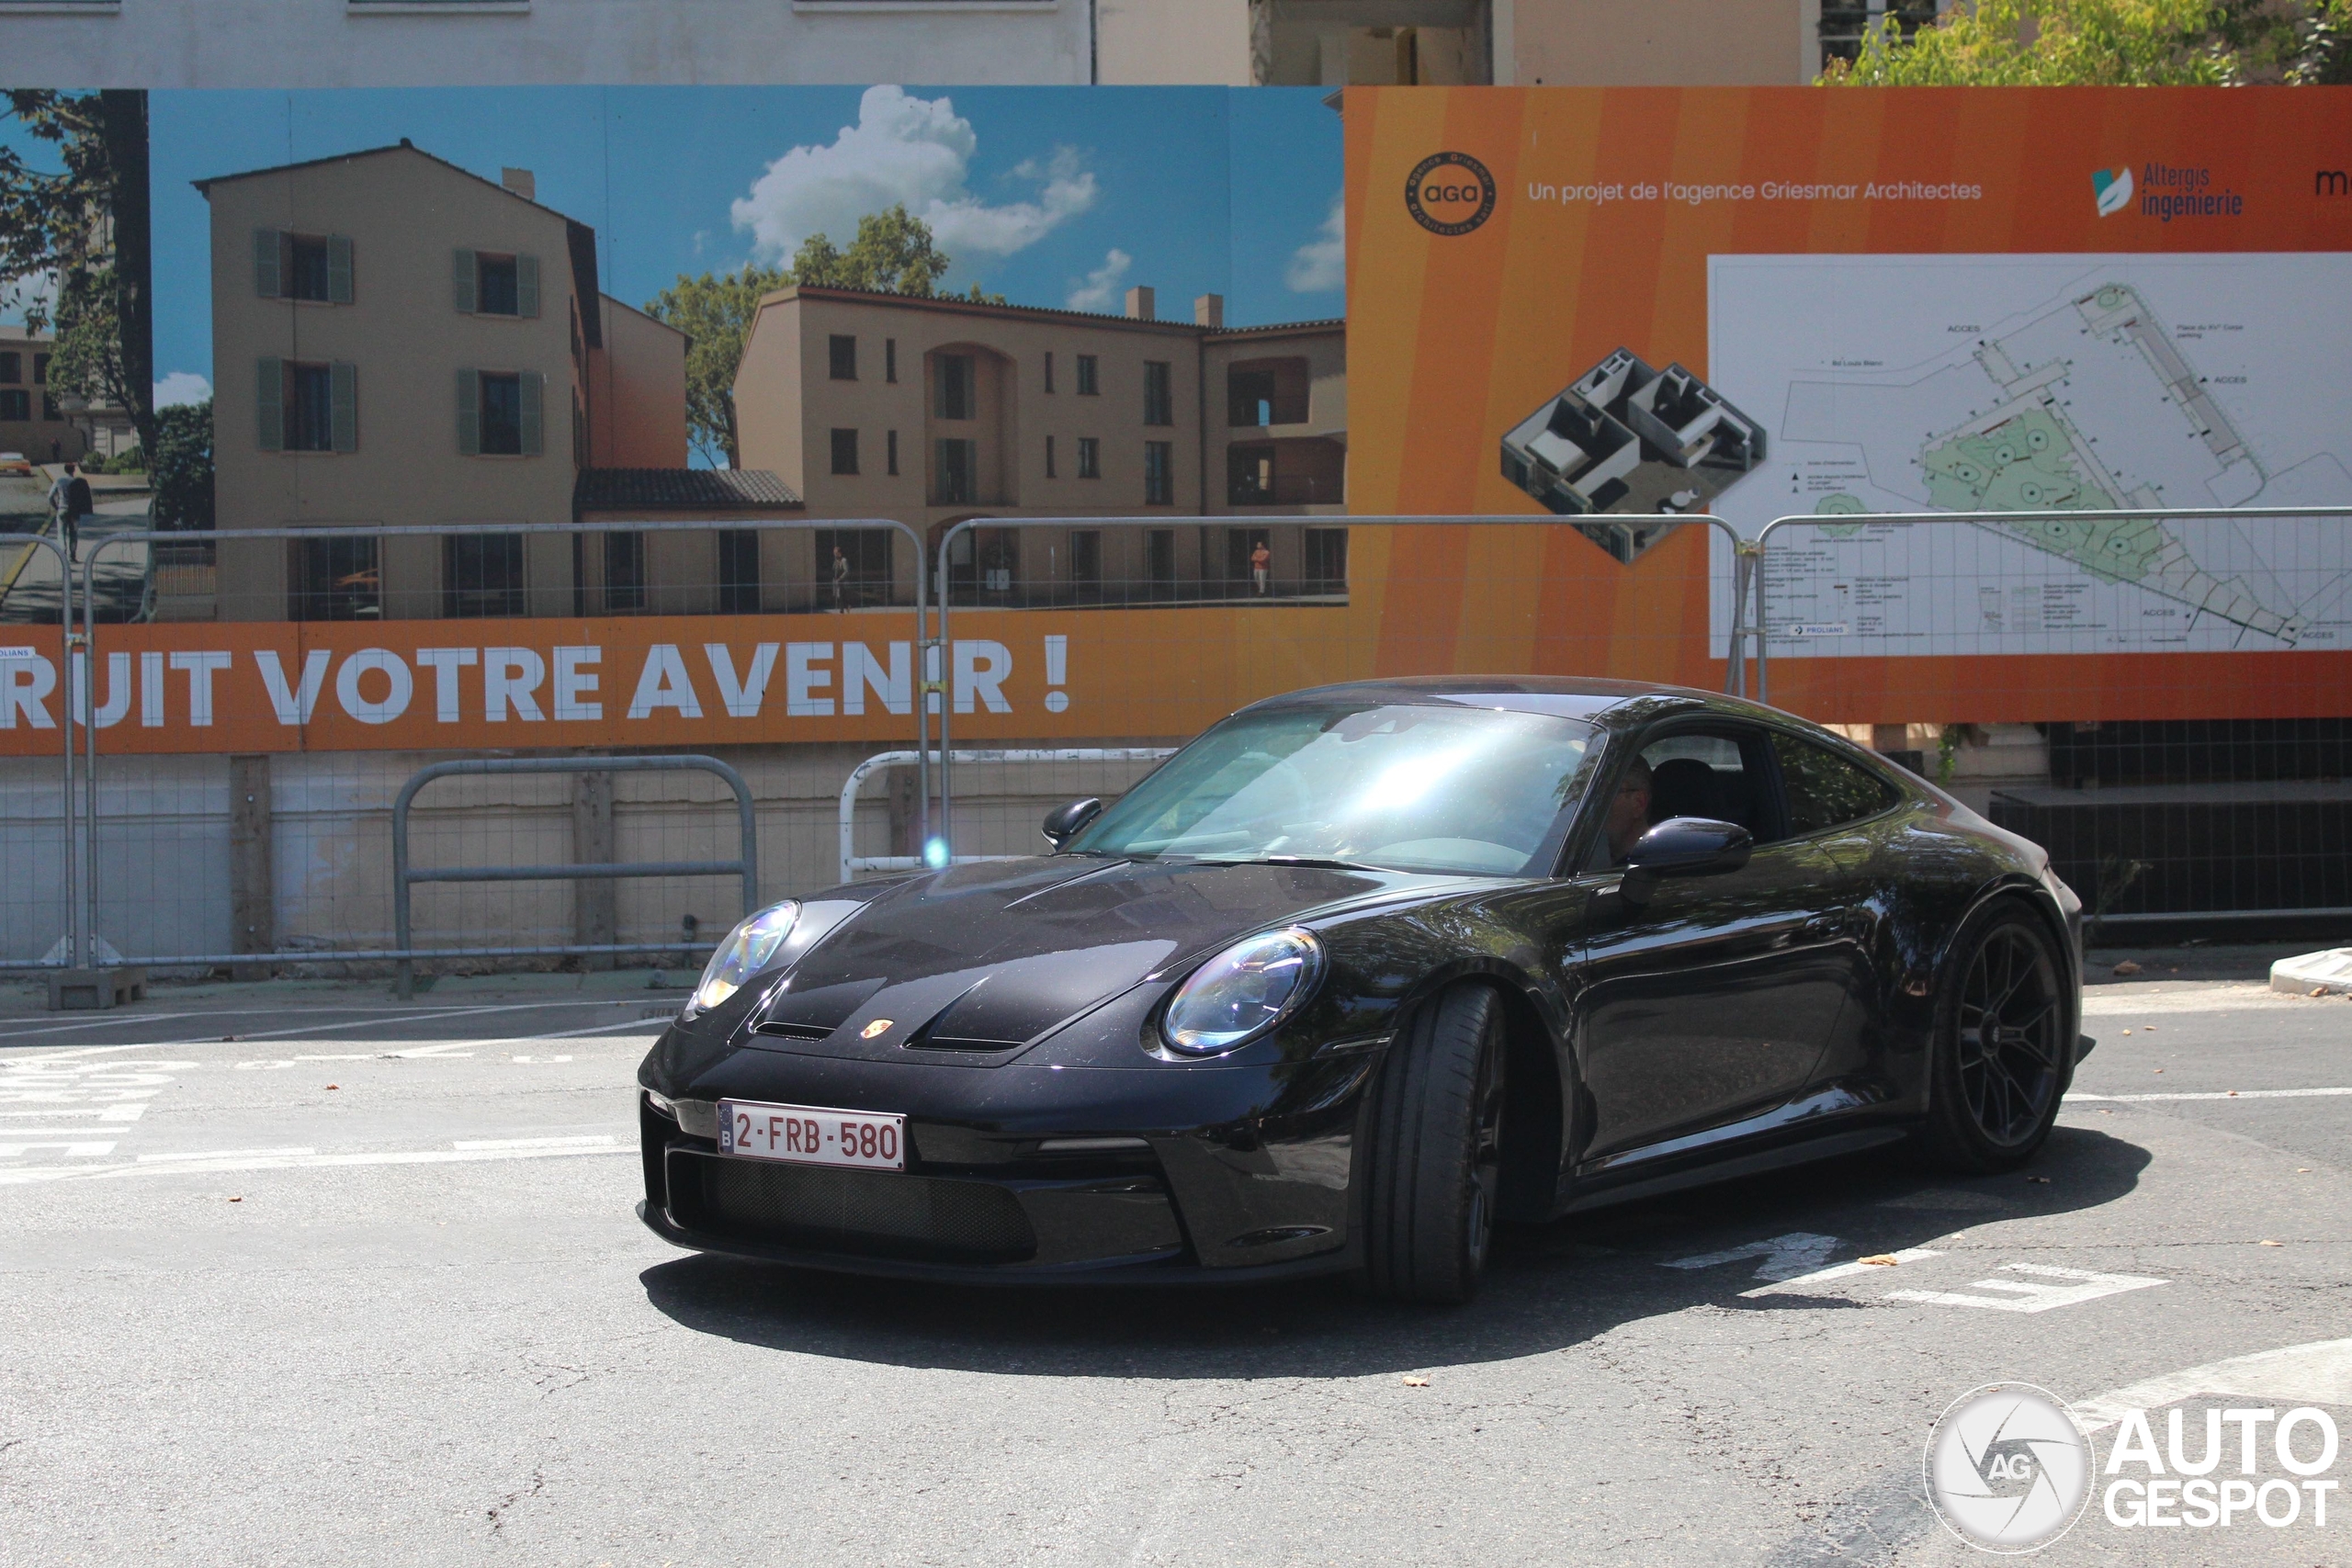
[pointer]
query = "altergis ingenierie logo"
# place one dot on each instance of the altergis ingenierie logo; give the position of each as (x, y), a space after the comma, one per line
(2008, 1469)
(2112, 187)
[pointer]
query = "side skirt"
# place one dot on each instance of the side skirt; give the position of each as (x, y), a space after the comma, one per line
(1713, 1171)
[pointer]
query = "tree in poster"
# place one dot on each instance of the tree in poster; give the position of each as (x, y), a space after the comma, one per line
(181, 466)
(2109, 43)
(894, 253)
(73, 244)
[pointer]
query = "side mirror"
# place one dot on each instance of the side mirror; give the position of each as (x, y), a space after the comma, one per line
(1683, 846)
(1062, 822)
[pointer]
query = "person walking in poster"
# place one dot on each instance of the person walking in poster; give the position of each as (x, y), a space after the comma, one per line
(70, 500)
(841, 581)
(1261, 563)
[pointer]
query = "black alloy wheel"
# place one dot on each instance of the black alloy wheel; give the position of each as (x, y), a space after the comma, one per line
(2001, 1054)
(1436, 1158)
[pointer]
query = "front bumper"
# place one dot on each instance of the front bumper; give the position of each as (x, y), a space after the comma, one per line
(1209, 1173)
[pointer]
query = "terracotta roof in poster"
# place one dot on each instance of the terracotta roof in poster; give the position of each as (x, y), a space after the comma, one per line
(679, 490)
(953, 305)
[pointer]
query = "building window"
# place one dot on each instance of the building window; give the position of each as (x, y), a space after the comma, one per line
(1089, 457)
(498, 413)
(1089, 383)
(842, 351)
(1241, 546)
(1159, 473)
(624, 573)
(844, 451)
(306, 408)
(499, 294)
(958, 397)
(11, 368)
(1086, 557)
(302, 266)
(890, 453)
(853, 567)
(959, 464)
(49, 409)
(16, 404)
(1158, 402)
(1249, 475)
(40, 369)
(502, 415)
(1049, 457)
(1049, 370)
(337, 580)
(738, 571)
(890, 360)
(481, 574)
(1160, 560)
(492, 284)
(1327, 560)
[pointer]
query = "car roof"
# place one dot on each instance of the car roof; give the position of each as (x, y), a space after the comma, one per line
(1613, 703)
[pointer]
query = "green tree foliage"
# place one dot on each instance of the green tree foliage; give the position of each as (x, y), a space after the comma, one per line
(892, 254)
(183, 468)
(2033, 43)
(81, 229)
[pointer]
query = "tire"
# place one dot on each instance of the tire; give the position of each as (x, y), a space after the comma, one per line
(1436, 1148)
(2002, 1056)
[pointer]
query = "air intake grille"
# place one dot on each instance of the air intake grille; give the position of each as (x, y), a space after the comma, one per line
(872, 1214)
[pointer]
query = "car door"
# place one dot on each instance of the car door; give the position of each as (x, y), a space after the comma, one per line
(1846, 808)
(1713, 1002)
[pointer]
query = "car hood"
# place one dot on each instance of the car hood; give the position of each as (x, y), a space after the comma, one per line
(980, 962)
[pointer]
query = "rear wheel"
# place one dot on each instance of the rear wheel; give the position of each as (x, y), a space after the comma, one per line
(2002, 1055)
(1436, 1164)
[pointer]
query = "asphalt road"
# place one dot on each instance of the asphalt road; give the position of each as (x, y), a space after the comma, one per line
(362, 1285)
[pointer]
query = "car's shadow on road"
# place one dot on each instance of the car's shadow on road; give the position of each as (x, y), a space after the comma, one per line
(1550, 1287)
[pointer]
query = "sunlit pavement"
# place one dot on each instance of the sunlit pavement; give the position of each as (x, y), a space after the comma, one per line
(296, 1274)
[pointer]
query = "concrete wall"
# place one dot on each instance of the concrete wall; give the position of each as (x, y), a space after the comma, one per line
(164, 858)
(1678, 43)
(1172, 40)
(327, 43)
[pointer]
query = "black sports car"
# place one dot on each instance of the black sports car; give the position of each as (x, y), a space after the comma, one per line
(1359, 972)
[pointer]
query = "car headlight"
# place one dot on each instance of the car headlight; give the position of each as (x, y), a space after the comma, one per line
(744, 954)
(1242, 992)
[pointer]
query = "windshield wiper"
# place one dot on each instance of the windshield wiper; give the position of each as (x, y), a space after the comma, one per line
(1312, 863)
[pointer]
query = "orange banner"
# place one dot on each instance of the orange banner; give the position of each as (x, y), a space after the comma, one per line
(1737, 299)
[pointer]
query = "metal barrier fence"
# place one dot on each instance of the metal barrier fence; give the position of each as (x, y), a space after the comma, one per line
(114, 857)
(1056, 774)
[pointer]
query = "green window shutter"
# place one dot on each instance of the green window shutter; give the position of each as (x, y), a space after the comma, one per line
(269, 404)
(464, 277)
(344, 380)
(534, 389)
(470, 414)
(266, 277)
(526, 286)
(339, 269)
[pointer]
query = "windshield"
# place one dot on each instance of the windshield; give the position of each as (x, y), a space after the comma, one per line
(1408, 787)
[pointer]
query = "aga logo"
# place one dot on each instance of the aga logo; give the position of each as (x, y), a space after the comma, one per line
(2008, 1468)
(2112, 188)
(1450, 193)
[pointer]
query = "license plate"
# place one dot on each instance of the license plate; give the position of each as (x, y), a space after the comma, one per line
(809, 1134)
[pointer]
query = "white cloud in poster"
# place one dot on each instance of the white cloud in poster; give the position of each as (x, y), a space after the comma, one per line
(181, 386)
(914, 151)
(1100, 289)
(1321, 263)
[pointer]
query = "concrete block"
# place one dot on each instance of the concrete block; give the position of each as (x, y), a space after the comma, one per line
(73, 990)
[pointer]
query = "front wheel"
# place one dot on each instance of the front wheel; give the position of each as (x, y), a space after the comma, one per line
(2001, 1054)
(1436, 1151)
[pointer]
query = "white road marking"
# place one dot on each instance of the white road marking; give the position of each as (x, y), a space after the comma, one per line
(443, 1050)
(2023, 1295)
(601, 1140)
(71, 1151)
(36, 1092)
(2316, 1374)
(1843, 1270)
(24, 1174)
(220, 1154)
(2221, 1094)
(1784, 1256)
(306, 1029)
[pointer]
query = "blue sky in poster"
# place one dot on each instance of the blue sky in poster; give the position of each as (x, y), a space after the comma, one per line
(1056, 196)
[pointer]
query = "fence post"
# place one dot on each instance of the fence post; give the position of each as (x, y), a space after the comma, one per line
(253, 904)
(596, 908)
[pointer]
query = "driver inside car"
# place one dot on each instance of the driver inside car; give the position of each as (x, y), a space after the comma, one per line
(1629, 813)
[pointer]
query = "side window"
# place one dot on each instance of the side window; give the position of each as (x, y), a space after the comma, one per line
(1823, 789)
(1703, 773)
